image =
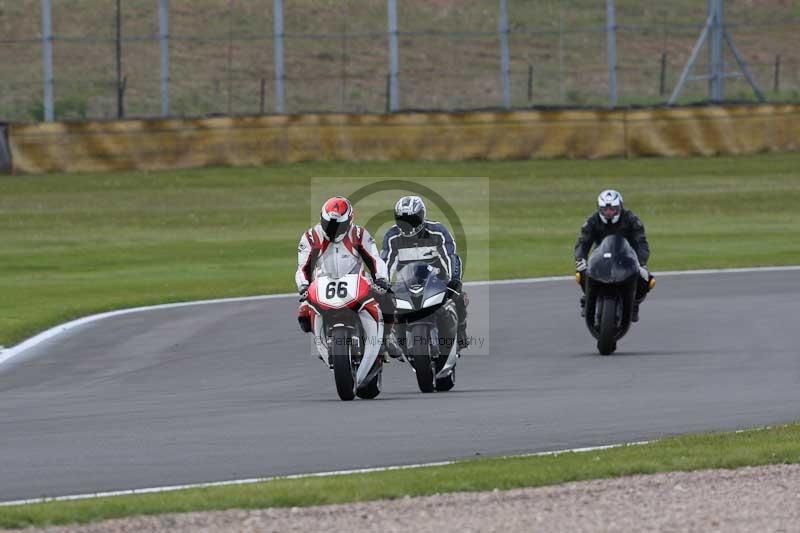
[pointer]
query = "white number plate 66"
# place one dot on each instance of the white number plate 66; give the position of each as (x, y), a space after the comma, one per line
(337, 292)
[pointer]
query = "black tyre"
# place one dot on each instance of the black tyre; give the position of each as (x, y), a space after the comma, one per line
(419, 348)
(373, 388)
(445, 384)
(342, 368)
(607, 340)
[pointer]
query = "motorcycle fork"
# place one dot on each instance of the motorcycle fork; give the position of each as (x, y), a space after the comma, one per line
(354, 341)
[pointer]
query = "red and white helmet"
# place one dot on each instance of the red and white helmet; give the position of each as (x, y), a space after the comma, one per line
(336, 218)
(609, 206)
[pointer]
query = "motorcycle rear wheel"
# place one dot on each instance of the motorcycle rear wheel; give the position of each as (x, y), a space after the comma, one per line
(342, 367)
(373, 388)
(445, 384)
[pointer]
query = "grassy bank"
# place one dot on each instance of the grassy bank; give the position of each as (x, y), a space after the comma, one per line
(723, 450)
(79, 244)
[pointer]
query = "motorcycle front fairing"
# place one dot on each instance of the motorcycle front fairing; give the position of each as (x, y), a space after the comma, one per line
(613, 261)
(418, 292)
(339, 293)
(613, 270)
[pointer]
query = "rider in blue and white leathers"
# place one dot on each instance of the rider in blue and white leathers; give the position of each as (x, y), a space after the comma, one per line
(414, 238)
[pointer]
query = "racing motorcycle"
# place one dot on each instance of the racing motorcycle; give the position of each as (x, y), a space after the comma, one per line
(426, 325)
(338, 304)
(612, 277)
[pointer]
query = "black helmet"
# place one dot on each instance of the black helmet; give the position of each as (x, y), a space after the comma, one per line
(409, 214)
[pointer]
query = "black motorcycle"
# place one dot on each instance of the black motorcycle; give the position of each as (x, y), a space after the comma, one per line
(426, 325)
(612, 278)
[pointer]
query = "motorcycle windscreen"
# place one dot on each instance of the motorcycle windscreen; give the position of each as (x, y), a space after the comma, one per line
(337, 265)
(613, 261)
(414, 275)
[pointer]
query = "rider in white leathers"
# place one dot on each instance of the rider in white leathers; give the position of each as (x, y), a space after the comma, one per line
(335, 247)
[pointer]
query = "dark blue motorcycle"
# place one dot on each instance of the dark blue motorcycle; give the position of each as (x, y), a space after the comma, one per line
(427, 325)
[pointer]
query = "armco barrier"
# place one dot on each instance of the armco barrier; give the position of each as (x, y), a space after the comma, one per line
(166, 144)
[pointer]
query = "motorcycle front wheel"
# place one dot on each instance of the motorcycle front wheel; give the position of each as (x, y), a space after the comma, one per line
(342, 367)
(419, 349)
(607, 340)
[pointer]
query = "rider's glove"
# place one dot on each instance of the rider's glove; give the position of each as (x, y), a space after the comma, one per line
(580, 265)
(382, 286)
(303, 290)
(454, 285)
(644, 272)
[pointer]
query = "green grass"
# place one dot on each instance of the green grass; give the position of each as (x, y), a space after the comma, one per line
(722, 450)
(73, 245)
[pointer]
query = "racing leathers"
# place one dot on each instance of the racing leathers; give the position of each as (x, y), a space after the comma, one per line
(317, 255)
(434, 245)
(594, 230)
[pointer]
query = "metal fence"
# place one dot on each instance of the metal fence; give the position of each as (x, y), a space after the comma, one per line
(80, 59)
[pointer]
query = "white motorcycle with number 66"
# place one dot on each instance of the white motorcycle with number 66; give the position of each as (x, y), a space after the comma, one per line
(348, 328)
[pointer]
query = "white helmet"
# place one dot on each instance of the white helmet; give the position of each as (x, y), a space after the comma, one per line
(409, 215)
(609, 206)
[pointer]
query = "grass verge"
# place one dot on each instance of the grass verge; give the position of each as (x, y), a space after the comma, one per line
(74, 245)
(780, 445)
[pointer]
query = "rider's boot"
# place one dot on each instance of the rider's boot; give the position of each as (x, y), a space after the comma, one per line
(635, 313)
(583, 306)
(463, 338)
(390, 346)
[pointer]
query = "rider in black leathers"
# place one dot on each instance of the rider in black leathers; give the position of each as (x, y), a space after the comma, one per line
(612, 218)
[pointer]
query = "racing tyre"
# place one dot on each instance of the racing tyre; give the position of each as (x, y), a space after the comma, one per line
(373, 388)
(607, 340)
(342, 368)
(445, 384)
(419, 348)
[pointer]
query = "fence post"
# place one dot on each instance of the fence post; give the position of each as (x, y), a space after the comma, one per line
(530, 83)
(662, 84)
(394, 60)
(163, 27)
(611, 43)
(716, 90)
(504, 55)
(118, 60)
(47, 60)
(777, 82)
(278, 19)
(262, 95)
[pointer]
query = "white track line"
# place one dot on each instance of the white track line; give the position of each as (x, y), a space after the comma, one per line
(295, 476)
(6, 355)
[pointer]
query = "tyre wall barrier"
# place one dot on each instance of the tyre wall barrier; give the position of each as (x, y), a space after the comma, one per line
(259, 140)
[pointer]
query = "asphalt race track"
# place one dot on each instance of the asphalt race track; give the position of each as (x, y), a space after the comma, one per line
(228, 391)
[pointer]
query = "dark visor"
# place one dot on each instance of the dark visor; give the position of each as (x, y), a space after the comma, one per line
(610, 211)
(334, 229)
(409, 224)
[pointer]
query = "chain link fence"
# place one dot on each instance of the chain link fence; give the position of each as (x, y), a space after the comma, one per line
(112, 58)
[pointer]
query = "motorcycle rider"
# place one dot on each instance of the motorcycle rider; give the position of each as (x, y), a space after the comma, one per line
(336, 243)
(612, 218)
(414, 238)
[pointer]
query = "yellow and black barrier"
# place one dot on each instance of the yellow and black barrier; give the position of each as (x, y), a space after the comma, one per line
(240, 141)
